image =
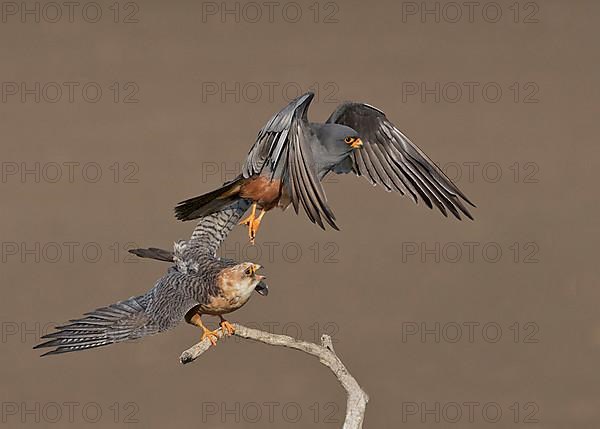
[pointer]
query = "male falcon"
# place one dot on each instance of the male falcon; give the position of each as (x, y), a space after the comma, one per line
(292, 155)
(199, 283)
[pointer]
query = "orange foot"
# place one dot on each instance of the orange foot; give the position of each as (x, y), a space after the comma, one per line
(253, 222)
(211, 335)
(227, 327)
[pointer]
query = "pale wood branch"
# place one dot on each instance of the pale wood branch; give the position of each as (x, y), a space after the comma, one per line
(357, 399)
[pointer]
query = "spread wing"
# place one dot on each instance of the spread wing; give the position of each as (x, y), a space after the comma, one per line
(122, 321)
(389, 159)
(161, 308)
(282, 147)
(272, 139)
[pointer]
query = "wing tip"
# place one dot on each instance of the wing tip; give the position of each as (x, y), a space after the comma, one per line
(469, 215)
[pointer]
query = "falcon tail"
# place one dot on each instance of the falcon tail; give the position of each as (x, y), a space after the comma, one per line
(212, 202)
(153, 253)
(122, 321)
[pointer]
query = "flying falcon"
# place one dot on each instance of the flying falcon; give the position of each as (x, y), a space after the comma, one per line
(292, 155)
(198, 283)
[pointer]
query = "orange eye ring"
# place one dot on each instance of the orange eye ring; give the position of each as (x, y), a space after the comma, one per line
(349, 140)
(251, 270)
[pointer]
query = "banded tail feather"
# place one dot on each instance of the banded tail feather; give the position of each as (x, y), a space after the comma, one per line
(122, 321)
(209, 233)
(212, 230)
(153, 253)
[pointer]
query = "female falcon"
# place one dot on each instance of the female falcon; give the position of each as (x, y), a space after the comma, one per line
(198, 283)
(292, 155)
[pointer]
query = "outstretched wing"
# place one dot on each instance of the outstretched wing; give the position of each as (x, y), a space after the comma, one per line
(122, 321)
(283, 147)
(272, 139)
(388, 158)
(161, 308)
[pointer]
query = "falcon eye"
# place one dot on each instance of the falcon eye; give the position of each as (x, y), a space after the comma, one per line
(349, 140)
(249, 271)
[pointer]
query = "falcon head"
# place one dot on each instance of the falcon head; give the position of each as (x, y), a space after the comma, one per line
(246, 277)
(337, 142)
(338, 138)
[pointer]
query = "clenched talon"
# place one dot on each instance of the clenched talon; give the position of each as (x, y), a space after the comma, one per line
(253, 222)
(211, 335)
(227, 327)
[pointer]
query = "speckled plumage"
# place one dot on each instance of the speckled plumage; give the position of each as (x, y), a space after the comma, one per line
(198, 281)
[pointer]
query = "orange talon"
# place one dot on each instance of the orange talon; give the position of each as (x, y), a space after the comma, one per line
(206, 333)
(227, 327)
(211, 335)
(253, 222)
(248, 219)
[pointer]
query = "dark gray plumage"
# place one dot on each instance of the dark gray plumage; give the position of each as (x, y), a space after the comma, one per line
(198, 283)
(389, 159)
(292, 155)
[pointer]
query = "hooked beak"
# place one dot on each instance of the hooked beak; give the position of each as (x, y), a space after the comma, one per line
(262, 287)
(356, 144)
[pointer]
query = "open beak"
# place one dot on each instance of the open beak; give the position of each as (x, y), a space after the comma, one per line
(262, 287)
(356, 144)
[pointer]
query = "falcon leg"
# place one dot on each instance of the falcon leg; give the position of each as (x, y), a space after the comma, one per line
(253, 222)
(248, 219)
(206, 333)
(256, 225)
(227, 327)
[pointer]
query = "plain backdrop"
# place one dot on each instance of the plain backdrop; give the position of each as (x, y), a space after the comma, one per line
(434, 317)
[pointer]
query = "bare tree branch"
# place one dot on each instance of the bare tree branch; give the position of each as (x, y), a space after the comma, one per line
(356, 398)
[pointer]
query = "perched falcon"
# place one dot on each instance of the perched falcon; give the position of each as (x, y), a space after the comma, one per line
(292, 155)
(198, 283)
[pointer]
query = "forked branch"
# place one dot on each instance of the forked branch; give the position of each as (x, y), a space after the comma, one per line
(357, 399)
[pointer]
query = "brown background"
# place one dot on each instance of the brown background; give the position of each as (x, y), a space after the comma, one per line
(372, 289)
